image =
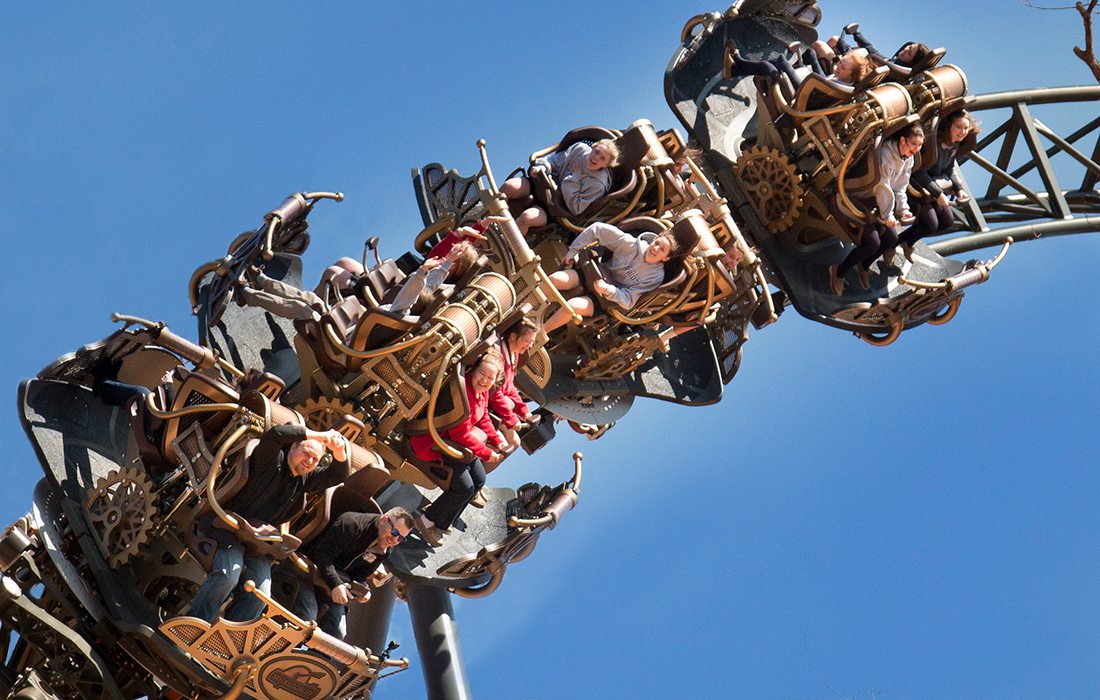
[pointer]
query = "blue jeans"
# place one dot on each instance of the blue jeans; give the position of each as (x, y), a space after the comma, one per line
(225, 573)
(334, 621)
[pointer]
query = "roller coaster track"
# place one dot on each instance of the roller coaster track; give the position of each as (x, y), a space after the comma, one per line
(1009, 206)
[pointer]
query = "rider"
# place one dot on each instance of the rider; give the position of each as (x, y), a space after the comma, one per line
(283, 466)
(636, 267)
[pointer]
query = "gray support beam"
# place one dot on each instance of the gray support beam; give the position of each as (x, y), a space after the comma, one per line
(1061, 144)
(1004, 159)
(1091, 179)
(369, 623)
(437, 642)
(1059, 206)
(1023, 232)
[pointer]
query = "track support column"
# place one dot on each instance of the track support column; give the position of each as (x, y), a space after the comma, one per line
(437, 643)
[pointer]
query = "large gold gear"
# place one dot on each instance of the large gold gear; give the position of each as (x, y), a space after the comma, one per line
(772, 184)
(121, 508)
(326, 412)
(617, 360)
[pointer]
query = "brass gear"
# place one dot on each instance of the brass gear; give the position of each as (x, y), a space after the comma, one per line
(772, 184)
(618, 359)
(121, 509)
(326, 412)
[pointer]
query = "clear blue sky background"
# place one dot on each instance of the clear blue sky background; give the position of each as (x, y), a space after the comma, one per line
(918, 521)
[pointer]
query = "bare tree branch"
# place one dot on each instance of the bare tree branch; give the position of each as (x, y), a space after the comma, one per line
(1086, 54)
(1032, 5)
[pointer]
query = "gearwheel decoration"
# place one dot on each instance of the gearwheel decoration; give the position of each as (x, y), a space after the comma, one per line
(121, 509)
(327, 412)
(772, 184)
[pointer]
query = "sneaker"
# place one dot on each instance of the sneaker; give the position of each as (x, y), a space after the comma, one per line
(431, 533)
(836, 283)
(479, 500)
(864, 276)
(851, 28)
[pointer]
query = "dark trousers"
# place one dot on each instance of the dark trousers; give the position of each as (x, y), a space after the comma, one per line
(931, 219)
(875, 241)
(466, 481)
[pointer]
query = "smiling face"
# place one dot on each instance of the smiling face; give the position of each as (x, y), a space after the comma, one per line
(521, 342)
(599, 158)
(845, 67)
(658, 251)
(960, 127)
(386, 527)
(304, 456)
(909, 146)
(484, 376)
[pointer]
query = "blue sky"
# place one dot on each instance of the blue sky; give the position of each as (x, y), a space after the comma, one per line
(914, 522)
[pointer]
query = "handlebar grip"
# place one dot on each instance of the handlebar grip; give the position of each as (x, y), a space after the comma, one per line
(201, 357)
(292, 208)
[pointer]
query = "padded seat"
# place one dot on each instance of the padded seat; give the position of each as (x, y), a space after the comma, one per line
(818, 92)
(377, 328)
(902, 74)
(384, 277)
(342, 319)
(197, 389)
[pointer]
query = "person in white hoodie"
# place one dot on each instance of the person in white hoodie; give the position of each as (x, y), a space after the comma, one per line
(894, 158)
(637, 266)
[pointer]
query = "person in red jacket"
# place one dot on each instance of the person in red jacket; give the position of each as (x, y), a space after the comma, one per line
(505, 400)
(474, 434)
(475, 234)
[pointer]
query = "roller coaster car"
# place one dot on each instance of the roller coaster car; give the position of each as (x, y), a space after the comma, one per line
(793, 164)
(630, 355)
(109, 536)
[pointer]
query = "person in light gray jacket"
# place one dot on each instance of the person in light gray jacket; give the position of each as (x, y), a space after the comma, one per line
(637, 266)
(581, 172)
(894, 158)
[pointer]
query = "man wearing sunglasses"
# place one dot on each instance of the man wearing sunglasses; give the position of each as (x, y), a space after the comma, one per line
(348, 552)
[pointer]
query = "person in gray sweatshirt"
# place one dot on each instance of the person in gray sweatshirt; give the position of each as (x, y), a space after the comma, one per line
(894, 158)
(637, 266)
(581, 172)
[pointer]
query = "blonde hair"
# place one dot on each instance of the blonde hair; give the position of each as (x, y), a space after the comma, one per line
(863, 67)
(492, 356)
(465, 255)
(612, 150)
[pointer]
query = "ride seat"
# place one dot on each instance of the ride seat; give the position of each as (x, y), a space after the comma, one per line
(342, 319)
(903, 74)
(385, 277)
(377, 328)
(688, 232)
(197, 389)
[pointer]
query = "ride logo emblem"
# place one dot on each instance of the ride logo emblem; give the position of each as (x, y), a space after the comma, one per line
(287, 677)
